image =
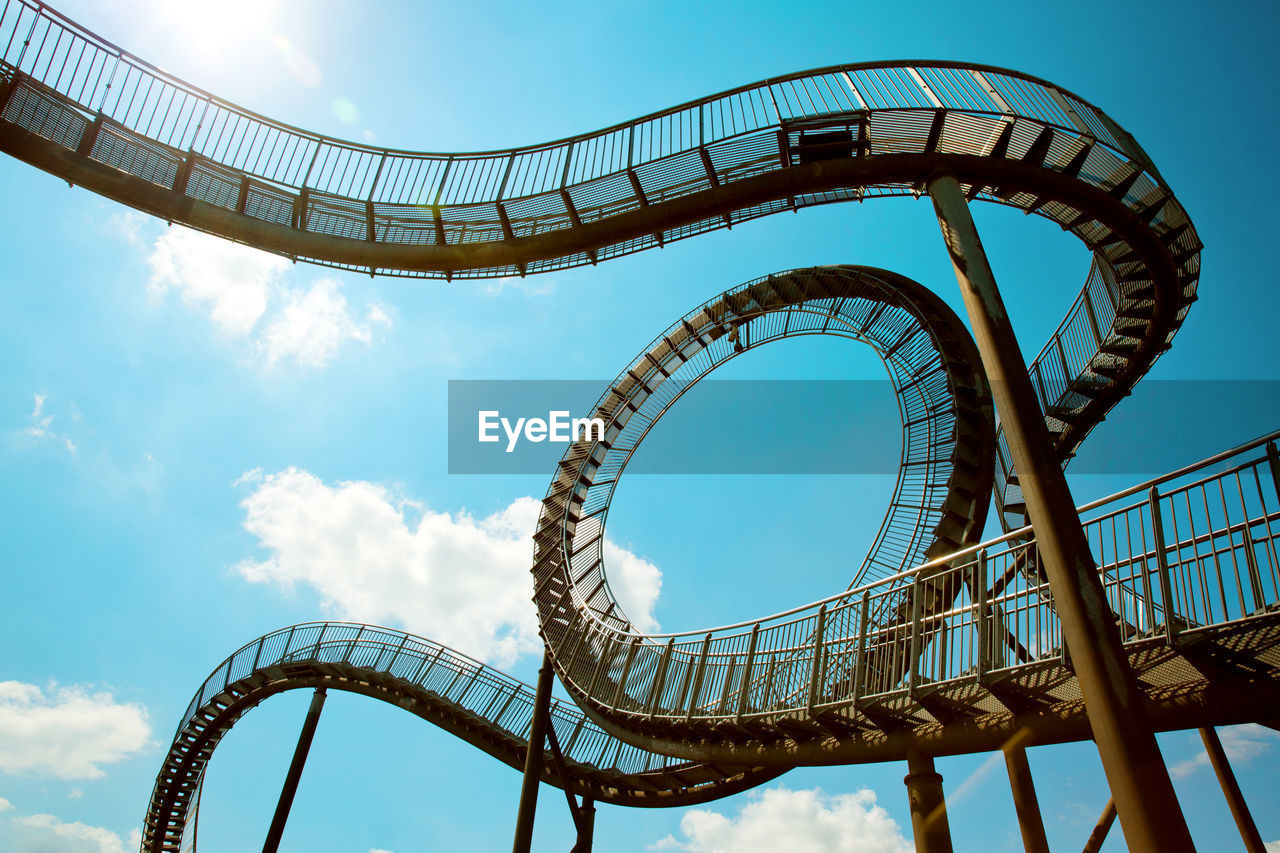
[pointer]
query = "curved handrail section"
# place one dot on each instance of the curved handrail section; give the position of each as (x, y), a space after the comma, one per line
(470, 699)
(80, 107)
(972, 651)
(387, 210)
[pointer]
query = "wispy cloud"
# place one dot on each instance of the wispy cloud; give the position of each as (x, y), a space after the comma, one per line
(538, 285)
(250, 298)
(41, 425)
(1241, 744)
(461, 580)
(45, 833)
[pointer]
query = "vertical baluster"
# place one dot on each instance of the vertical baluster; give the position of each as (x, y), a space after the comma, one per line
(698, 676)
(744, 693)
(981, 615)
(913, 653)
(815, 673)
(1162, 566)
(860, 650)
(659, 680)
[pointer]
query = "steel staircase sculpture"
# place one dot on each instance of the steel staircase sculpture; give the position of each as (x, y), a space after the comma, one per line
(940, 641)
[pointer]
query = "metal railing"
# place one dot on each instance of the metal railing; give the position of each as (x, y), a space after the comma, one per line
(85, 94)
(1186, 553)
(1071, 357)
(88, 94)
(457, 679)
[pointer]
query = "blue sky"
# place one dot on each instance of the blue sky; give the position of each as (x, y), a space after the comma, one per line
(194, 436)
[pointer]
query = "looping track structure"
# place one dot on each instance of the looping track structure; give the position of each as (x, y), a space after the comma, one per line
(948, 446)
(948, 645)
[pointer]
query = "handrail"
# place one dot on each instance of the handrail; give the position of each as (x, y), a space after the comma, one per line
(898, 579)
(1255, 590)
(45, 10)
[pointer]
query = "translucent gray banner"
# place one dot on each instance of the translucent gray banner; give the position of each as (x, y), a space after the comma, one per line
(823, 426)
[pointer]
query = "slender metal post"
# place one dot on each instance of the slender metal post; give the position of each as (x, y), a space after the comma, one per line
(983, 617)
(1231, 790)
(1139, 781)
(815, 674)
(1162, 569)
(928, 808)
(1099, 834)
(533, 760)
(1024, 799)
(913, 660)
(295, 773)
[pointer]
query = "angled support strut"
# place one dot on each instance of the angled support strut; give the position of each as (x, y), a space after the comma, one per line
(1231, 790)
(533, 760)
(292, 778)
(1145, 801)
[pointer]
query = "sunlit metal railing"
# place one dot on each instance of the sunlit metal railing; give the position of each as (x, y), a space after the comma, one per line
(85, 94)
(90, 95)
(1186, 553)
(502, 701)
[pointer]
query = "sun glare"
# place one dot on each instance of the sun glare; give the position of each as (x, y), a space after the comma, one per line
(214, 28)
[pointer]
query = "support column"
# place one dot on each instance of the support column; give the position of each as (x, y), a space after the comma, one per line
(1099, 834)
(291, 778)
(1231, 790)
(533, 760)
(929, 824)
(586, 826)
(1148, 808)
(1024, 800)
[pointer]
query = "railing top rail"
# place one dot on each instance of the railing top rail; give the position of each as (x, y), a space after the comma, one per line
(851, 595)
(62, 20)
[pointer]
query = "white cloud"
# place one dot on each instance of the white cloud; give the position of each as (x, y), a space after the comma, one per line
(249, 298)
(66, 732)
(5, 805)
(44, 833)
(451, 577)
(231, 281)
(1240, 743)
(314, 325)
(795, 821)
(635, 582)
(1272, 846)
(128, 224)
